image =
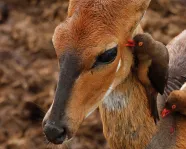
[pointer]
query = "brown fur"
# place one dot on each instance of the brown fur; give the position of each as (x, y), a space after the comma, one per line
(143, 69)
(90, 28)
(120, 133)
(180, 132)
(133, 126)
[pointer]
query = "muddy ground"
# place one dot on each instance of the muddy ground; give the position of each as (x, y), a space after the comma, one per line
(29, 70)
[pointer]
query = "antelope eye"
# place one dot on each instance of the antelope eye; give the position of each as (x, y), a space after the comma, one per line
(106, 57)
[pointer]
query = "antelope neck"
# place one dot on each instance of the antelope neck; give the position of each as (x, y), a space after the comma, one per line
(126, 116)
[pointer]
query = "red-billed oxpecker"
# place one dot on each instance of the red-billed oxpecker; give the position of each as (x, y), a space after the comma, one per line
(176, 102)
(152, 67)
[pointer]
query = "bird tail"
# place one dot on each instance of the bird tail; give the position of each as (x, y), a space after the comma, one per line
(152, 100)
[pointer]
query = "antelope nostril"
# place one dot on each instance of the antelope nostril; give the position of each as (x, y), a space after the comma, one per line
(55, 134)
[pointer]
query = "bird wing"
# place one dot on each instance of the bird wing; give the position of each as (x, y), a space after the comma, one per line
(152, 96)
(159, 68)
(158, 76)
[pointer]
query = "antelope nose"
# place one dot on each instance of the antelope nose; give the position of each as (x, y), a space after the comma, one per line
(54, 134)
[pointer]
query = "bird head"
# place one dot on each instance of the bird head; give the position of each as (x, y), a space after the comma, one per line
(171, 105)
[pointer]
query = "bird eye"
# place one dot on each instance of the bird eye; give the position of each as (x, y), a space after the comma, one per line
(173, 107)
(106, 57)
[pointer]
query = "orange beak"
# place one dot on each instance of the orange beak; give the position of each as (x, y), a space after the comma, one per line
(165, 112)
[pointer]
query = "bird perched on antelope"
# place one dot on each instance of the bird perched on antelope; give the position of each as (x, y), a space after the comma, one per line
(176, 102)
(152, 67)
(96, 70)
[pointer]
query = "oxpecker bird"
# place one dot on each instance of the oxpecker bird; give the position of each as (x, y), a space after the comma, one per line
(152, 61)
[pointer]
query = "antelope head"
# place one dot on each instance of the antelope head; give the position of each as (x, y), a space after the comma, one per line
(92, 59)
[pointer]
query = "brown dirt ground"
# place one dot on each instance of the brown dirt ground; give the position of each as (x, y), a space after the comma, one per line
(29, 70)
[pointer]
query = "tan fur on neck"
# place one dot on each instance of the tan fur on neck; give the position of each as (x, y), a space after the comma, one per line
(133, 126)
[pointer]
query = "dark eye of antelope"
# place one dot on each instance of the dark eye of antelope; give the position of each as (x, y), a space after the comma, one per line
(106, 57)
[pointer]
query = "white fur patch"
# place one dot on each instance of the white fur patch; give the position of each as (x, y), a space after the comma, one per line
(183, 87)
(92, 110)
(115, 100)
(89, 113)
(109, 46)
(119, 65)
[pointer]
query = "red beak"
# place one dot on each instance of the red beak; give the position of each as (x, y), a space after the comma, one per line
(165, 112)
(130, 43)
